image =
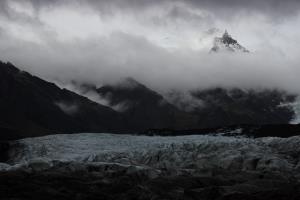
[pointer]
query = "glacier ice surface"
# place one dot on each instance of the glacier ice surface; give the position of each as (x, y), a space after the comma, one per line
(155, 153)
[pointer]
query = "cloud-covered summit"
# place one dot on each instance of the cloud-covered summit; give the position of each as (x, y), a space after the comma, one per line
(227, 43)
(163, 44)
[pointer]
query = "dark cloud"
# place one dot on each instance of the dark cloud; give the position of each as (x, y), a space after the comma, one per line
(181, 13)
(286, 5)
(274, 7)
(10, 14)
(276, 10)
(3, 7)
(271, 8)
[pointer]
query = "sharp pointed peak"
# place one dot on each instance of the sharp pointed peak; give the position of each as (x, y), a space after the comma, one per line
(228, 43)
(227, 36)
(226, 33)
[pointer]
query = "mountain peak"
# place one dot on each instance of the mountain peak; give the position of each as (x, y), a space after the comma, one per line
(226, 34)
(227, 43)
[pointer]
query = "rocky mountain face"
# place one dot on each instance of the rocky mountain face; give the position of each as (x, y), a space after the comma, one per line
(217, 107)
(30, 106)
(223, 107)
(143, 107)
(227, 43)
(205, 108)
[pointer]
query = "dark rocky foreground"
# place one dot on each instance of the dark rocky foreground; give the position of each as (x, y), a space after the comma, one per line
(126, 183)
(110, 166)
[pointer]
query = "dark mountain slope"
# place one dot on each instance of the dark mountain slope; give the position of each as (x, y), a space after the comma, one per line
(223, 107)
(32, 106)
(144, 107)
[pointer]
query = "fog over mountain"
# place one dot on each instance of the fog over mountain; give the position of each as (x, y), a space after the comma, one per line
(163, 44)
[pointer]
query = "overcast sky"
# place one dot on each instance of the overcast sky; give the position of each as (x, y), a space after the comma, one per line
(162, 43)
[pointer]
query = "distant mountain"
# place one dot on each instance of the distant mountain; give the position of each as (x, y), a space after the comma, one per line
(223, 107)
(227, 43)
(217, 107)
(30, 106)
(204, 108)
(144, 107)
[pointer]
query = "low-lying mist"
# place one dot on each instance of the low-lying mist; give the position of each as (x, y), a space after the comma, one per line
(107, 60)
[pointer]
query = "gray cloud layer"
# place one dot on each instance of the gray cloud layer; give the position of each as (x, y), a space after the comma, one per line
(158, 42)
(274, 8)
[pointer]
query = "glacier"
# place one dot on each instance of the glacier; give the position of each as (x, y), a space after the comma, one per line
(159, 154)
(112, 166)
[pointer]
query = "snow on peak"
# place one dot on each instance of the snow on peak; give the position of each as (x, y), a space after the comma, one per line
(227, 43)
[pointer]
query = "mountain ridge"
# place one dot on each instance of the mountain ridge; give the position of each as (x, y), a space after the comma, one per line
(30, 106)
